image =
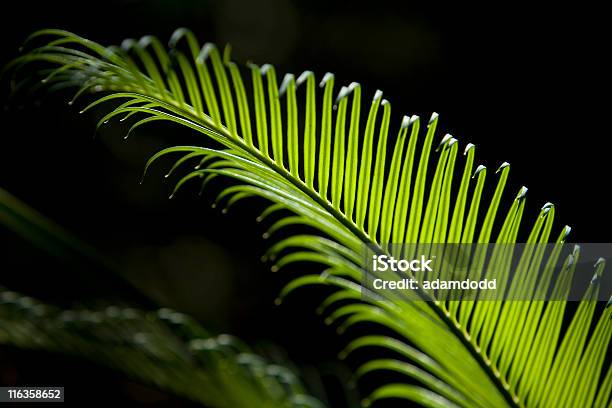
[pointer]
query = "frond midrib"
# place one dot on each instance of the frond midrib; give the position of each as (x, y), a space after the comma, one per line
(456, 329)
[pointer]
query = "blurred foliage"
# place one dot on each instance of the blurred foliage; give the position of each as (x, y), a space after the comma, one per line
(164, 348)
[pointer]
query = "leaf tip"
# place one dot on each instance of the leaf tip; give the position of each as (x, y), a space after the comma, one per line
(343, 92)
(346, 91)
(205, 52)
(546, 209)
(468, 147)
(326, 78)
(434, 118)
(565, 233)
(447, 137)
(265, 68)
(227, 53)
(478, 170)
(502, 166)
(377, 96)
(304, 77)
(176, 36)
(287, 80)
(599, 267)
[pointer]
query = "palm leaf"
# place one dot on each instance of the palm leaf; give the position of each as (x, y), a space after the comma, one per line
(164, 348)
(335, 169)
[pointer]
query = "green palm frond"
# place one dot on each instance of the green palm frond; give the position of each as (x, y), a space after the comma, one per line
(360, 182)
(164, 348)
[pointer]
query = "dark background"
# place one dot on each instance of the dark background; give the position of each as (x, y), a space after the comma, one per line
(527, 85)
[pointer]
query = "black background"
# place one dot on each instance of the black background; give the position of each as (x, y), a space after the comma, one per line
(527, 85)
